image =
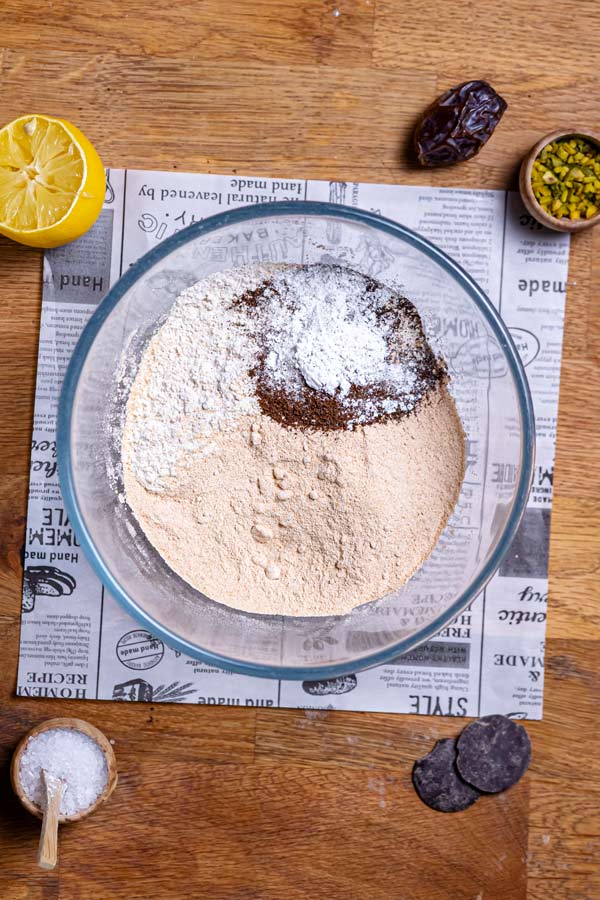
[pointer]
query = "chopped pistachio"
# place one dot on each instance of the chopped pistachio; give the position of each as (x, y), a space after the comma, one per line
(565, 178)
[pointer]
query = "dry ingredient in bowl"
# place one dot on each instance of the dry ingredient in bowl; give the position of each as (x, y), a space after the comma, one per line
(565, 178)
(290, 446)
(71, 756)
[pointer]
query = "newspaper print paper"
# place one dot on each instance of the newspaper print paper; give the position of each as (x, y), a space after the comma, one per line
(76, 641)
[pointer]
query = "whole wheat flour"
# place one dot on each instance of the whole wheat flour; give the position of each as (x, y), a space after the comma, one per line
(301, 521)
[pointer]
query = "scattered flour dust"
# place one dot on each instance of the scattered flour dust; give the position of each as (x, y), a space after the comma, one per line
(267, 518)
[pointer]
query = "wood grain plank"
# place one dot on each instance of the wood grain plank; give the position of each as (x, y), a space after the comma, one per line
(566, 836)
(245, 833)
(517, 39)
(157, 733)
(307, 31)
(348, 739)
(574, 597)
(565, 742)
(593, 329)
(20, 295)
(578, 436)
(580, 304)
(565, 887)
(208, 117)
(13, 492)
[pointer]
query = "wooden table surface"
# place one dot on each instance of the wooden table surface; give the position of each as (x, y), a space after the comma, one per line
(232, 804)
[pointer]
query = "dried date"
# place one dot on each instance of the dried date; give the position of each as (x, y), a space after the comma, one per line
(457, 125)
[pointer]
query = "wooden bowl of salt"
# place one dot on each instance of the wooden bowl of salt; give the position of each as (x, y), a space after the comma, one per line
(62, 771)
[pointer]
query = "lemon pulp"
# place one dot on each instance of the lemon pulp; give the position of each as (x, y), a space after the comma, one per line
(51, 181)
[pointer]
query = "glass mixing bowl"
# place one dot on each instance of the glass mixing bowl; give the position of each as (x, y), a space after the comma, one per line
(487, 382)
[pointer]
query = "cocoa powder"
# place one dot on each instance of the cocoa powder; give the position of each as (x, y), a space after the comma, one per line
(310, 408)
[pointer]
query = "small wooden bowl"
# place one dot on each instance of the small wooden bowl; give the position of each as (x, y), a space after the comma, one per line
(76, 725)
(528, 197)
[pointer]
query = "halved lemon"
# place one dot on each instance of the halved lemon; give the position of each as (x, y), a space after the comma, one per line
(52, 181)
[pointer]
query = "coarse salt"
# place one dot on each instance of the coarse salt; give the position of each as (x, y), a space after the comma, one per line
(71, 756)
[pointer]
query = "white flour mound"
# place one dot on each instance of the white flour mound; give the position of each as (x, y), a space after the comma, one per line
(193, 379)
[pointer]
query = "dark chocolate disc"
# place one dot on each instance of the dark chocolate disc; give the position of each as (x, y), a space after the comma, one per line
(493, 753)
(438, 782)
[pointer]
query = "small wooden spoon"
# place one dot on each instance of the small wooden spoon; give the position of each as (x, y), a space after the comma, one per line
(51, 816)
(48, 848)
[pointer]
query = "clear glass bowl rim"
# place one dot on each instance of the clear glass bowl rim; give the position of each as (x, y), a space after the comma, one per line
(268, 210)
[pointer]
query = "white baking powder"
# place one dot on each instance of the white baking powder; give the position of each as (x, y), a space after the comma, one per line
(68, 755)
(323, 334)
